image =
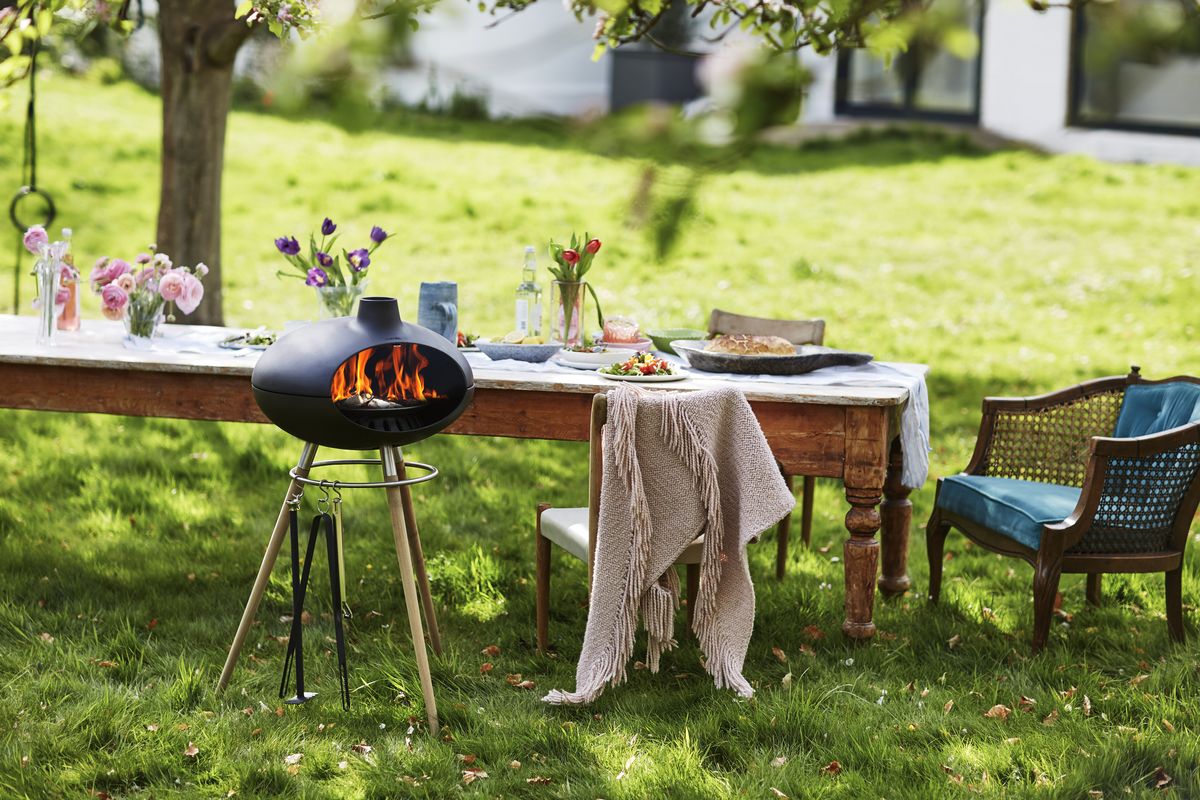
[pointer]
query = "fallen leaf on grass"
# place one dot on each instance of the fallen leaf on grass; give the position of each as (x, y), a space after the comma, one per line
(106, 664)
(1087, 706)
(525, 685)
(514, 764)
(1051, 718)
(786, 682)
(24, 762)
(248, 711)
(778, 795)
(539, 780)
(628, 763)
(1069, 693)
(191, 751)
(949, 705)
(779, 654)
(1170, 728)
(813, 632)
(778, 761)
(486, 667)
(469, 776)
(805, 650)
(513, 678)
(152, 624)
(467, 759)
(1095, 794)
(1012, 740)
(491, 651)
(1137, 679)
(998, 711)
(1161, 779)
(152, 727)
(1026, 704)
(925, 692)
(954, 641)
(45, 637)
(256, 732)
(294, 758)
(362, 748)
(343, 764)
(832, 768)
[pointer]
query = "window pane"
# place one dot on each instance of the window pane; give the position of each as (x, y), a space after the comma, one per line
(946, 82)
(871, 83)
(1140, 64)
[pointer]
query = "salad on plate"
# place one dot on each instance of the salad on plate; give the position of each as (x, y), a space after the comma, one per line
(643, 363)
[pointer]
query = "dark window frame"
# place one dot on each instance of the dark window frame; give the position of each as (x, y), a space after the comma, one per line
(1075, 116)
(907, 110)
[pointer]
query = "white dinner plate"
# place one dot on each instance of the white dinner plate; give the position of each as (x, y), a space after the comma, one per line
(678, 376)
(566, 362)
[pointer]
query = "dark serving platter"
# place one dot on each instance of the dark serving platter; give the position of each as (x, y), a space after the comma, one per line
(807, 359)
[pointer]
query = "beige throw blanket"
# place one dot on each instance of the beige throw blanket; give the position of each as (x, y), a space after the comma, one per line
(677, 465)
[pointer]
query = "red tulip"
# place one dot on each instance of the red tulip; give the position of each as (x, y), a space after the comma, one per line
(570, 256)
(593, 246)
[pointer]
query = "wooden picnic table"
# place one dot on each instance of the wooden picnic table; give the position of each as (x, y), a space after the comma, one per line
(845, 432)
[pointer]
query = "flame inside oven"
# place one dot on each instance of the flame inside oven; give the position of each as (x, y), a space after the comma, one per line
(385, 378)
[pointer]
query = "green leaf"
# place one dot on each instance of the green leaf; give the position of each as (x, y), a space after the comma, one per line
(243, 9)
(45, 18)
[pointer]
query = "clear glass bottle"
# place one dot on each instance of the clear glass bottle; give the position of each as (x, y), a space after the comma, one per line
(529, 297)
(68, 318)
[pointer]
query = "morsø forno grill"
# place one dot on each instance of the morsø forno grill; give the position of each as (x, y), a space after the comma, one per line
(356, 383)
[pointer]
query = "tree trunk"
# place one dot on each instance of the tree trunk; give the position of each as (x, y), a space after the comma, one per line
(199, 39)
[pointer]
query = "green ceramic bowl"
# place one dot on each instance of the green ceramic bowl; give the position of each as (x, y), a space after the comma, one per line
(663, 337)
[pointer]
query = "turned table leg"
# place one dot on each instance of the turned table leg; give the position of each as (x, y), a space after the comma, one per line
(896, 518)
(863, 475)
(861, 555)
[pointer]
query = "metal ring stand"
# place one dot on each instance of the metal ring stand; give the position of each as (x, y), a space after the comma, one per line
(431, 473)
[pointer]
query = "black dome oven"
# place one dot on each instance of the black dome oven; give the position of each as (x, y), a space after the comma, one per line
(363, 382)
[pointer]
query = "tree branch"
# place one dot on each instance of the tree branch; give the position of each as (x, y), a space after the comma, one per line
(222, 40)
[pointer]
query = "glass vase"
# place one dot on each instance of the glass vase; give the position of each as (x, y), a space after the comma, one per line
(143, 314)
(338, 301)
(47, 269)
(567, 309)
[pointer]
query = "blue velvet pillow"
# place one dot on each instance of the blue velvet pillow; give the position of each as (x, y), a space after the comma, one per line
(1156, 408)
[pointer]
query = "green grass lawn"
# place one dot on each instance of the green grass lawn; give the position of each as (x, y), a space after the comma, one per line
(128, 545)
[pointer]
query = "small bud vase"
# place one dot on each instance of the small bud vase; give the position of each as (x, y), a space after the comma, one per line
(567, 308)
(142, 318)
(338, 301)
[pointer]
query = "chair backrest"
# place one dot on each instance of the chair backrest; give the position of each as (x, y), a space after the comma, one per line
(796, 331)
(1156, 407)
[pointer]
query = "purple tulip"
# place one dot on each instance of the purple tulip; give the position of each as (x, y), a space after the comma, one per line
(327, 227)
(359, 259)
(378, 234)
(317, 277)
(324, 259)
(287, 245)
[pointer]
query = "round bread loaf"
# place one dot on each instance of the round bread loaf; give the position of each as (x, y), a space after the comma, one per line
(743, 344)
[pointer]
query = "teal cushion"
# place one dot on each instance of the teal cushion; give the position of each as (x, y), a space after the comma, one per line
(1016, 509)
(1157, 407)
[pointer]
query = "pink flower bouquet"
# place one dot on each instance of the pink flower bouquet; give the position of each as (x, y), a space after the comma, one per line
(139, 292)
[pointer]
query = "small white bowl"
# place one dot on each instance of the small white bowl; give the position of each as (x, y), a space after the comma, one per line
(639, 345)
(609, 356)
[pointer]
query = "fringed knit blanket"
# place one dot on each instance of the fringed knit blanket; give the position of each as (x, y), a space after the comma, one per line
(677, 465)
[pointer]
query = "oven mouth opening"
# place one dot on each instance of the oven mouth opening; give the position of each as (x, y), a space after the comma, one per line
(396, 388)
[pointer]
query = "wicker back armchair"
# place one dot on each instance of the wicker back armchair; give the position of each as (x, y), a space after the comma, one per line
(1096, 478)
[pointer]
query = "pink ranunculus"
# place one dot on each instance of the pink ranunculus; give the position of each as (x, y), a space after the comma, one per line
(144, 275)
(193, 293)
(35, 238)
(143, 258)
(113, 297)
(126, 282)
(99, 274)
(114, 314)
(116, 268)
(170, 286)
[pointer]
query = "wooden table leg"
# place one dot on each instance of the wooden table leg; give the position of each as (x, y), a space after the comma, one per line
(264, 570)
(863, 475)
(411, 601)
(896, 514)
(418, 555)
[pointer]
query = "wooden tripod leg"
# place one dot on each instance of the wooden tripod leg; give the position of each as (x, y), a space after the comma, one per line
(264, 570)
(418, 556)
(411, 601)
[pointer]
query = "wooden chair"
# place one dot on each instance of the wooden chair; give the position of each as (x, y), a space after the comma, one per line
(574, 530)
(798, 331)
(1100, 477)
